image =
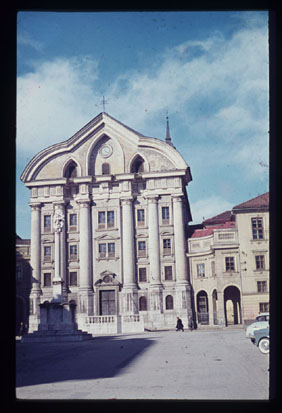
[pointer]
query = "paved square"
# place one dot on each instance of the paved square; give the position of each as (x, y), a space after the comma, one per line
(217, 364)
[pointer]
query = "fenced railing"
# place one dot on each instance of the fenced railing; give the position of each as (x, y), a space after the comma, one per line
(100, 319)
(131, 318)
(112, 324)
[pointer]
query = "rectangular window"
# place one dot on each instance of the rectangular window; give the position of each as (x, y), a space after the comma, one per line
(101, 219)
(141, 248)
(47, 223)
(262, 286)
(165, 215)
(102, 250)
(106, 220)
(73, 278)
(263, 307)
(260, 262)
(73, 252)
(142, 274)
(168, 273)
(47, 254)
(257, 228)
(73, 222)
(140, 217)
(110, 219)
(167, 246)
(229, 264)
(111, 249)
(201, 270)
(47, 279)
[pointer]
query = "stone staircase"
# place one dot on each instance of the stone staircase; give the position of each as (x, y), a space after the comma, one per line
(56, 336)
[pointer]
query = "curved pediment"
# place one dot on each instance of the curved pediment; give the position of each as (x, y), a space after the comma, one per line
(107, 279)
(103, 140)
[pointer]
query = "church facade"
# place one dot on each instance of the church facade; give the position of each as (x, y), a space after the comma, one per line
(109, 216)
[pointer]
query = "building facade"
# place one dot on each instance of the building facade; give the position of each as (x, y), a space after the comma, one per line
(109, 213)
(229, 264)
(23, 284)
(252, 220)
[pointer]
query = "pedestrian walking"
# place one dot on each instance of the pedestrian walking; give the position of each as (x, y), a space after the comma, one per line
(191, 324)
(179, 324)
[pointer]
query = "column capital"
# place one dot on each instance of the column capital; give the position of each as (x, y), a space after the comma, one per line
(59, 204)
(177, 198)
(153, 199)
(126, 200)
(83, 203)
(35, 206)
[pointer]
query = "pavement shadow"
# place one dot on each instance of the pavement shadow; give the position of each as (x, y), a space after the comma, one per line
(38, 363)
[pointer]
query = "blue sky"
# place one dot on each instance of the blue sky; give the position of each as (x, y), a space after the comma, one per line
(209, 70)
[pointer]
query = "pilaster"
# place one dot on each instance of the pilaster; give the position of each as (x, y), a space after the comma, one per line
(86, 294)
(179, 240)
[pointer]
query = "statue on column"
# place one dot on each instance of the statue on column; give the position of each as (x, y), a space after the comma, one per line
(58, 221)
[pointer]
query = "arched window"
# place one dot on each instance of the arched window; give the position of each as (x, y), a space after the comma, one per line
(138, 165)
(106, 170)
(169, 302)
(71, 170)
(142, 304)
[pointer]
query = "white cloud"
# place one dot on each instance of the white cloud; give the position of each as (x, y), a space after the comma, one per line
(25, 39)
(54, 101)
(220, 95)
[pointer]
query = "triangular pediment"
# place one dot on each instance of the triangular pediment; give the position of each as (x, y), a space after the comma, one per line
(106, 237)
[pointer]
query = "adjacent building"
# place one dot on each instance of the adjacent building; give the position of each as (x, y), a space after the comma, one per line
(23, 284)
(229, 264)
(252, 221)
(109, 216)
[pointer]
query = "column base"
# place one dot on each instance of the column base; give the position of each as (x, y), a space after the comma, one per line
(183, 299)
(86, 302)
(129, 300)
(156, 298)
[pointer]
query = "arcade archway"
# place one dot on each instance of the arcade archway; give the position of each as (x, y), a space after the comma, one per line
(232, 305)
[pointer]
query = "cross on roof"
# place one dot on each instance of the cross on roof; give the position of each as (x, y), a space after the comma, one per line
(103, 102)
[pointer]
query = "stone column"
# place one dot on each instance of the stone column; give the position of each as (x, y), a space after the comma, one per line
(210, 306)
(35, 261)
(183, 293)
(129, 293)
(154, 241)
(221, 313)
(179, 241)
(156, 299)
(85, 283)
(58, 225)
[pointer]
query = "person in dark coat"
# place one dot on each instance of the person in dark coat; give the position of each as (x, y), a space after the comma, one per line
(179, 324)
(191, 324)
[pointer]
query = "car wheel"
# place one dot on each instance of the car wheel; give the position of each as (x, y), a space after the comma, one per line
(264, 345)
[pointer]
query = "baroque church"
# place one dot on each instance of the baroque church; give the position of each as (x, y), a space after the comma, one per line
(109, 222)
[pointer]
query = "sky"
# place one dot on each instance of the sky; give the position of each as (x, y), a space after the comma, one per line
(208, 70)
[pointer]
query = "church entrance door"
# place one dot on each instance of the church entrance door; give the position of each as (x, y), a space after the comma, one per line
(107, 302)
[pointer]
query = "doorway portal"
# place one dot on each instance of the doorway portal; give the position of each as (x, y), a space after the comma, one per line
(202, 308)
(232, 305)
(107, 302)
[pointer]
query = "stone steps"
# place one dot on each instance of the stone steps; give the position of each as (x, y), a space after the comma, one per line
(55, 336)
